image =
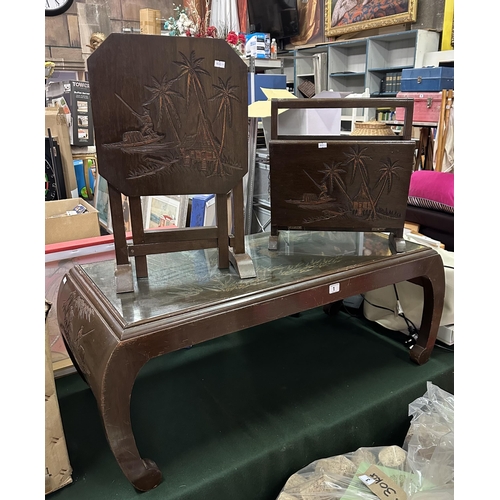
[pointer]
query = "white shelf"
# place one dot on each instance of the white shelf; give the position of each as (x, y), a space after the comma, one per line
(264, 63)
(354, 65)
(347, 57)
(441, 56)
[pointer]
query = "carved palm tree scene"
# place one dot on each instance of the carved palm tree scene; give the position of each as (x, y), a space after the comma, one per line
(343, 189)
(175, 114)
(202, 151)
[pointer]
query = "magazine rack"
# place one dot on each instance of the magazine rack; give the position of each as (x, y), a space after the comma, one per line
(340, 183)
(170, 118)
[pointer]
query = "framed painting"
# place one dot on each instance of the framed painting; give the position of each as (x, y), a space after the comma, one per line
(101, 202)
(447, 37)
(347, 16)
(165, 211)
(126, 216)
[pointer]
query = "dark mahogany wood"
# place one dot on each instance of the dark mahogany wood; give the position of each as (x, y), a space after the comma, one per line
(170, 118)
(340, 183)
(188, 299)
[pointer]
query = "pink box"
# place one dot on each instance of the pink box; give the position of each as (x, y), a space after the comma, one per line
(426, 106)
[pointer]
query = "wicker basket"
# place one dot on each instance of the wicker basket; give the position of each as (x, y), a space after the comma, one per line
(372, 128)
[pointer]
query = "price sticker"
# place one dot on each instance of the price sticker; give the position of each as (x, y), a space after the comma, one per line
(381, 484)
(367, 479)
(322, 145)
(220, 64)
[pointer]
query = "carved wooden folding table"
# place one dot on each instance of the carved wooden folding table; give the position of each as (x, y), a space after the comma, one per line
(168, 116)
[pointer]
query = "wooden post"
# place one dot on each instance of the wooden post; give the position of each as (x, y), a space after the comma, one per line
(444, 118)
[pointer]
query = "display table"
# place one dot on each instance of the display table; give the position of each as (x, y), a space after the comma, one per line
(187, 300)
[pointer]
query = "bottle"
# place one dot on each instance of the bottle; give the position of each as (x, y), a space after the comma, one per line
(274, 49)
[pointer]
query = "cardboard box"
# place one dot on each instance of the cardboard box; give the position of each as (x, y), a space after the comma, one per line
(150, 22)
(74, 99)
(60, 227)
(57, 465)
(307, 121)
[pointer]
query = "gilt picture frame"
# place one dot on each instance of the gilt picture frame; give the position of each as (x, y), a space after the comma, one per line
(348, 16)
(447, 37)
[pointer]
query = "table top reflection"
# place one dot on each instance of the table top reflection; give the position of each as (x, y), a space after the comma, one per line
(181, 281)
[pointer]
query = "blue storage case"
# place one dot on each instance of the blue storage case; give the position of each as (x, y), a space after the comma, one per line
(427, 79)
(265, 81)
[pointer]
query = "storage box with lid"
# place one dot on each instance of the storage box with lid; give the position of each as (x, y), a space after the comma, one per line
(426, 106)
(430, 79)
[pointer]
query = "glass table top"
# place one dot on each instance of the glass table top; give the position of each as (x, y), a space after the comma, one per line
(181, 281)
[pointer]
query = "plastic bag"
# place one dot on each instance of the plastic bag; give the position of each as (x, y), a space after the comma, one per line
(423, 467)
(337, 477)
(430, 439)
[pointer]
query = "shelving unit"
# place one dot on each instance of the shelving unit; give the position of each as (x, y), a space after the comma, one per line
(310, 66)
(261, 210)
(287, 67)
(347, 66)
(394, 52)
(347, 75)
(268, 65)
(360, 65)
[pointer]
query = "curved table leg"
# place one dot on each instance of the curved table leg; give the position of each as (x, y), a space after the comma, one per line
(114, 407)
(110, 368)
(434, 288)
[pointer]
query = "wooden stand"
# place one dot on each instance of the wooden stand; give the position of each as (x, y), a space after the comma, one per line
(340, 183)
(171, 118)
(446, 104)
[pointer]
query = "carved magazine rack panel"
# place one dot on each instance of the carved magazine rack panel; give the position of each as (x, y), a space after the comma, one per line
(170, 118)
(340, 183)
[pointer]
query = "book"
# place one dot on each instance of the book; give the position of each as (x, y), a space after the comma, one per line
(202, 206)
(398, 81)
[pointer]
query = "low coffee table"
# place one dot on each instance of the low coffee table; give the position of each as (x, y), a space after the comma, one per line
(187, 300)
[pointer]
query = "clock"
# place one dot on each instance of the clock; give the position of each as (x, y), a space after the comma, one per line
(56, 7)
